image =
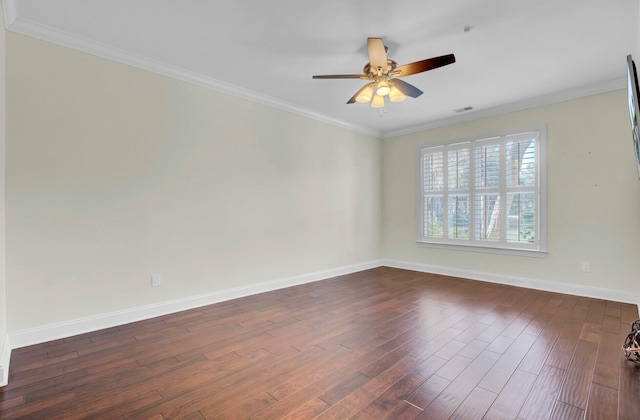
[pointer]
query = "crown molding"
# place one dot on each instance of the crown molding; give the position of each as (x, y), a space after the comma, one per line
(10, 9)
(15, 23)
(556, 97)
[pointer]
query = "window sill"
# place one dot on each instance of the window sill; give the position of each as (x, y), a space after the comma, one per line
(490, 250)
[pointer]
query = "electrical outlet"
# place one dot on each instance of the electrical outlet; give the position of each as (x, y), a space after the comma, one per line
(156, 280)
(586, 266)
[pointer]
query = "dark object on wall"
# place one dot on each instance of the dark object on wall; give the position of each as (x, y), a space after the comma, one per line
(634, 107)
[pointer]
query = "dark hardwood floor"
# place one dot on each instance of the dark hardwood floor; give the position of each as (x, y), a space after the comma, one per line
(382, 343)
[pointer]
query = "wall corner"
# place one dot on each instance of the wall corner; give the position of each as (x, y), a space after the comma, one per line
(5, 359)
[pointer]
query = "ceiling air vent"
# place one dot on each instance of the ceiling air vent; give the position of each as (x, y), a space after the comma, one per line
(465, 109)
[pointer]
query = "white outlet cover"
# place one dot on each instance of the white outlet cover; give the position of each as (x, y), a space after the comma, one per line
(156, 280)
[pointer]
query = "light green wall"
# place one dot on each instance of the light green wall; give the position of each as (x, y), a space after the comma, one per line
(593, 196)
(115, 173)
(3, 298)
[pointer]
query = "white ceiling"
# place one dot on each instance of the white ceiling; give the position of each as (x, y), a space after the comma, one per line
(516, 54)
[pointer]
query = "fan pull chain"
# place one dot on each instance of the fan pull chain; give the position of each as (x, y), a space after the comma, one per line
(383, 111)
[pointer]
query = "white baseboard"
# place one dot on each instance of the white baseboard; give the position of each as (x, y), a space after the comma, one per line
(4, 362)
(80, 326)
(549, 286)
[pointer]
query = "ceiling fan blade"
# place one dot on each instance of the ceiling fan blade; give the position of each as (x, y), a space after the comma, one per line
(377, 53)
(342, 76)
(406, 88)
(362, 89)
(424, 65)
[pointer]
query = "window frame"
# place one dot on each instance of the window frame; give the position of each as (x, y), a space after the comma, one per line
(539, 249)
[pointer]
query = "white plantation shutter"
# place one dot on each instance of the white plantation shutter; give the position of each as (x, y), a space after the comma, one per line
(487, 208)
(433, 190)
(484, 192)
(521, 186)
(458, 178)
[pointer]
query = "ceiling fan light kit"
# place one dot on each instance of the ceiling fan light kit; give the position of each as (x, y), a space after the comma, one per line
(383, 88)
(384, 74)
(395, 95)
(365, 94)
(378, 101)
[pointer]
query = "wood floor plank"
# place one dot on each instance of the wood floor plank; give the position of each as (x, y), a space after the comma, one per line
(541, 400)
(321, 382)
(384, 343)
(394, 398)
(575, 390)
(613, 309)
(454, 367)
(107, 408)
(539, 352)
(264, 379)
(508, 403)
(501, 371)
(348, 406)
(191, 390)
(517, 326)
(239, 408)
(591, 332)
(404, 411)
(562, 352)
(611, 323)
(603, 403)
(345, 387)
(596, 312)
(381, 383)
(427, 392)
(472, 349)
(453, 348)
(475, 405)
(308, 410)
(500, 344)
(327, 379)
(538, 322)
(457, 391)
(471, 330)
(563, 411)
(629, 312)
(628, 408)
(606, 371)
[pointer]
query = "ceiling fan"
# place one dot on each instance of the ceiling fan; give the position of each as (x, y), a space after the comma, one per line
(384, 74)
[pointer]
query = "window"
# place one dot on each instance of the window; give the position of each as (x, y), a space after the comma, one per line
(484, 193)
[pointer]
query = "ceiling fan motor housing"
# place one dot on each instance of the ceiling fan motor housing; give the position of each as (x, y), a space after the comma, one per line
(373, 72)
